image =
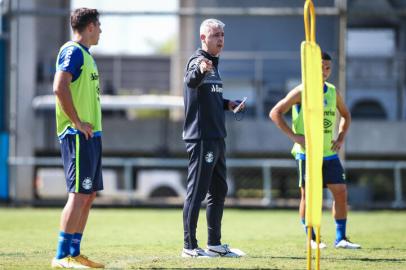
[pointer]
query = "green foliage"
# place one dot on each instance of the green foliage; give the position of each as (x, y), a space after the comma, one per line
(152, 238)
(166, 47)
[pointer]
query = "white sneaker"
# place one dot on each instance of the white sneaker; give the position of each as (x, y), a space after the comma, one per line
(224, 251)
(314, 245)
(345, 243)
(194, 253)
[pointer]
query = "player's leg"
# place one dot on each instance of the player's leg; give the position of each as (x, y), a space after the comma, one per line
(77, 236)
(302, 209)
(301, 170)
(216, 196)
(74, 249)
(339, 192)
(80, 183)
(69, 222)
(301, 165)
(90, 168)
(198, 180)
(92, 181)
(215, 206)
(334, 174)
(72, 211)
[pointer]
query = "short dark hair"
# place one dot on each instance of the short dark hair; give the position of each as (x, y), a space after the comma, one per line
(80, 18)
(325, 56)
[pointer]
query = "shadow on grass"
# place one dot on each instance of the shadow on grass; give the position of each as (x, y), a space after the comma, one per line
(283, 257)
(383, 260)
(362, 259)
(388, 249)
(201, 268)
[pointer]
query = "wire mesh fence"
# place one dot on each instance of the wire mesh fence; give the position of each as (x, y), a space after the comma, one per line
(252, 182)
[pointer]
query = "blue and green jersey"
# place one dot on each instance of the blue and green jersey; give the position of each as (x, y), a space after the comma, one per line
(329, 120)
(85, 88)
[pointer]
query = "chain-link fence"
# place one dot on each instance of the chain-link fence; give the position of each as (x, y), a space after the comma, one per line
(252, 182)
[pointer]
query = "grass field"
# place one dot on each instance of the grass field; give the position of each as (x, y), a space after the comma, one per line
(148, 239)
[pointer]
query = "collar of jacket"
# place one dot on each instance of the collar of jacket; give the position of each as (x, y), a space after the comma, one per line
(212, 58)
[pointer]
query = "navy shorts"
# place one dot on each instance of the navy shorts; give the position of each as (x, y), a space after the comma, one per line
(333, 172)
(82, 163)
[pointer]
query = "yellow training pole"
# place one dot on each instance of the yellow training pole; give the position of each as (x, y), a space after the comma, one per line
(309, 247)
(318, 248)
(312, 102)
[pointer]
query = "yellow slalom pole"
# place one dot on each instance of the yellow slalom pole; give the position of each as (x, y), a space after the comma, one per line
(318, 248)
(309, 247)
(312, 102)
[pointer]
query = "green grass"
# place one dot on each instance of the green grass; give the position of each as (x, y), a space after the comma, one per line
(147, 239)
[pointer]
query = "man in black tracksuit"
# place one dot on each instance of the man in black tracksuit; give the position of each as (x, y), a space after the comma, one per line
(204, 132)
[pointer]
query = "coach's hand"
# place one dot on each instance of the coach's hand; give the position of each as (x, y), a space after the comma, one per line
(233, 104)
(205, 65)
(85, 128)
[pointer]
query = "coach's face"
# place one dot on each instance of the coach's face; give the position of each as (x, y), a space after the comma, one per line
(214, 40)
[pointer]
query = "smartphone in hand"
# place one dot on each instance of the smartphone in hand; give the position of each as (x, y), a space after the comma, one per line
(238, 107)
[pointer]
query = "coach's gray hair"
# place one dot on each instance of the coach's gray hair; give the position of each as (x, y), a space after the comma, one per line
(210, 23)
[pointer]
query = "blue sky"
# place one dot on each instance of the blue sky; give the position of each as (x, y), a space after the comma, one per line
(132, 34)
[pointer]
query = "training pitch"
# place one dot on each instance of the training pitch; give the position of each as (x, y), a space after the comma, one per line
(153, 238)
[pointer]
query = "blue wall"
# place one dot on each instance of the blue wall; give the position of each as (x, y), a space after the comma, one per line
(4, 190)
(2, 85)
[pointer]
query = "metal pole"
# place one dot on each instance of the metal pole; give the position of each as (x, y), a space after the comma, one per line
(259, 70)
(398, 202)
(267, 184)
(400, 59)
(128, 175)
(342, 6)
(117, 70)
(14, 47)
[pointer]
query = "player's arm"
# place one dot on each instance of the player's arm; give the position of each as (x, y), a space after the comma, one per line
(196, 71)
(282, 107)
(344, 124)
(62, 91)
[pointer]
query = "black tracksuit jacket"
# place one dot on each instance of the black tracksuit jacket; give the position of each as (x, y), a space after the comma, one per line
(203, 98)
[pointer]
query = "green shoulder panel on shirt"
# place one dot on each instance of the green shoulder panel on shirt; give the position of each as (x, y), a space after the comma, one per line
(85, 93)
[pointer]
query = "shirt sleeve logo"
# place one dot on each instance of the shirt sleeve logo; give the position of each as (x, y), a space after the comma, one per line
(68, 56)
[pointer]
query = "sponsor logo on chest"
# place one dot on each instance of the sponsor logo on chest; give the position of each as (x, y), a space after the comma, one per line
(216, 89)
(94, 76)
